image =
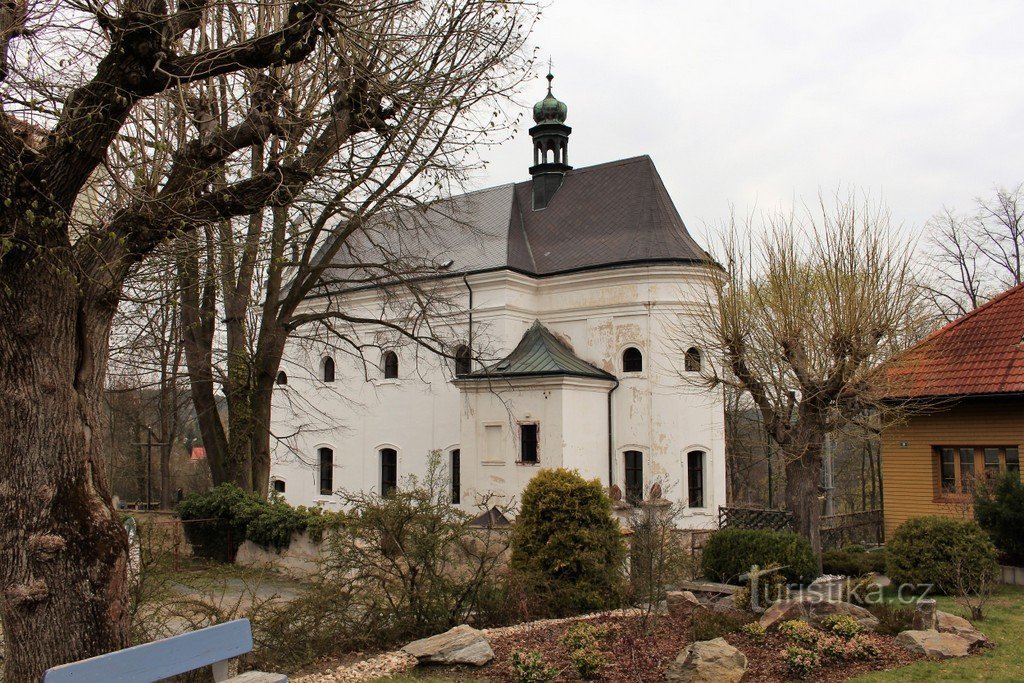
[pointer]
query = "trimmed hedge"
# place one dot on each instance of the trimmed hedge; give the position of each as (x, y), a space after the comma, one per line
(218, 521)
(849, 562)
(567, 549)
(999, 509)
(934, 550)
(732, 552)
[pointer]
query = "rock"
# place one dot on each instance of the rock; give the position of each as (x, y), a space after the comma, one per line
(814, 610)
(934, 644)
(461, 645)
(951, 623)
(708, 661)
(727, 606)
(681, 601)
(924, 615)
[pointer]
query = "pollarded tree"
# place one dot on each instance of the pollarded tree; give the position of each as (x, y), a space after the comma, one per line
(110, 146)
(807, 307)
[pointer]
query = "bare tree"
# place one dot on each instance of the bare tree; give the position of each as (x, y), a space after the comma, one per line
(976, 256)
(109, 106)
(807, 307)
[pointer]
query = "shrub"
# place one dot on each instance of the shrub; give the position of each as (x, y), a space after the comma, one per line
(999, 509)
(800, 632)
(847, 562)
(860, 647)
(708, 625)
(581, 634)
(892, 619)
(951, 554)
(732, 552)
(566, 546)
(755, 631)
(801, 662)
(861, 591)
(530, 667)
(588, 661)
(844, 626)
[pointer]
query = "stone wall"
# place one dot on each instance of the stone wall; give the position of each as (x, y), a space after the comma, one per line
(299, 559)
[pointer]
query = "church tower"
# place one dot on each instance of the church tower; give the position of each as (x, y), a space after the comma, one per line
(550, 148)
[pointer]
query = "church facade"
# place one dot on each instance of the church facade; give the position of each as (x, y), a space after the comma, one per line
(569, 340)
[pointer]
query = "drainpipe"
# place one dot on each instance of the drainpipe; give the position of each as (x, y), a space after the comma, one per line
(611, 447)
(470, 333)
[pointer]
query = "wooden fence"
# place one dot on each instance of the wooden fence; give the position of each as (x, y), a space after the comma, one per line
(865, 527)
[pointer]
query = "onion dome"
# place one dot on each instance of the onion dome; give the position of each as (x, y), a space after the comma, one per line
(550, 109)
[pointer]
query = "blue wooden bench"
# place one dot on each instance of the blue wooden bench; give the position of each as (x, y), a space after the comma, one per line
(214, 646)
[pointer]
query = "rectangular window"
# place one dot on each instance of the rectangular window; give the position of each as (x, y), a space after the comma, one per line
(947, 469)
(695, 478)
(388, 470)
(1013, 459)
(991, 463)
(528, 443)
(456, 476)
(326, 472)
(966, 470)
(634, 476)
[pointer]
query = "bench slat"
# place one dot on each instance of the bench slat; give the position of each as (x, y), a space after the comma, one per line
(160, 659)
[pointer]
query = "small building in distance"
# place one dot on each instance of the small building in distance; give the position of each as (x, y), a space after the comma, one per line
(964, 387)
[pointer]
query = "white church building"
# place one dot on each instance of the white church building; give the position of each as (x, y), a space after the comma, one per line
(569, 339)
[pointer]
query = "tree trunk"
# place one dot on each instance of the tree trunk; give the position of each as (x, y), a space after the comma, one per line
(63, 565)
(803, 481)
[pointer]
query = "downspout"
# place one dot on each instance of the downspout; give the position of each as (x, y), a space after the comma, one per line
(469, 342)
(611, 448)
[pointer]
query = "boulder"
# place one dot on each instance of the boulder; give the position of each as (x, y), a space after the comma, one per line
(814, 610)
(727, 606)
(681, 601)
(951, 623)
(934, 644)
(708, 661)
(460, 645)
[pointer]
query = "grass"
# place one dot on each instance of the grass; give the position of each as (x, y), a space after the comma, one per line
(1003, 624)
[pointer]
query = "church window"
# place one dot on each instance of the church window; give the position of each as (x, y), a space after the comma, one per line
(463, 361)
(634, 476)
(282, 378)
(390, 365)
(326, 471)
(277, 485)
(528, 443)
(632, 360)
(695, 478)
(692, 361)
(456, 471)
(327, 369)
(388, 470)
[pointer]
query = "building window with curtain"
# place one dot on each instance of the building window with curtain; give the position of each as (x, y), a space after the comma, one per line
(695, 479)
(634, 476)
(326, 472)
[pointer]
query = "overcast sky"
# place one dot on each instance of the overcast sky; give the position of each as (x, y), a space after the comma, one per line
(753, 103)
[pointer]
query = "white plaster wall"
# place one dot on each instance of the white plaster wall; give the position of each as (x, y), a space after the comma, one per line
(598, 313)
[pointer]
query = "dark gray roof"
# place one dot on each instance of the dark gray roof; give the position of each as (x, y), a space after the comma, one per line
(540, 354)
(610, 214)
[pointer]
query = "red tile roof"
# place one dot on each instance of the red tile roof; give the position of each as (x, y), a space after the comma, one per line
(980, 353)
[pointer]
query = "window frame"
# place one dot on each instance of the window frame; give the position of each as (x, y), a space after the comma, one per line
(535, 440)
(1008, 460)
(633, 492)
(273, 485)
(701, 480)
(388, 485)
(389, 366)
(693, 360)
(321, 451)
(638, 358)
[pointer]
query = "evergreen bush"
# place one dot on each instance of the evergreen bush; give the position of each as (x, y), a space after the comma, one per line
(731, 553)
(999, 509)
(566, 546)
(851, 562)
(941, 551)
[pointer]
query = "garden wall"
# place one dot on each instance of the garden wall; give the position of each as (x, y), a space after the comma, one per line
(300, 559)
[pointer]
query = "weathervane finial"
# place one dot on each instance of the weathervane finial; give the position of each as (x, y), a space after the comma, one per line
(550, 76)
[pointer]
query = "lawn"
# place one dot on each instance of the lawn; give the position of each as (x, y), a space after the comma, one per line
(1003, 624)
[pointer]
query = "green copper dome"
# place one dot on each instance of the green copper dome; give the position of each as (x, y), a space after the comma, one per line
(550, 109)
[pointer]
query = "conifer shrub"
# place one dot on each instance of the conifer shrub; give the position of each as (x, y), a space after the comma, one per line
(730, 553)
(950, 554)
(999, 509)
(852, 562)
(567, 548)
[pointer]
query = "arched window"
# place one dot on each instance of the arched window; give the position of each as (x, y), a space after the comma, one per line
(327, 367)
(390, 365)
(282, 377)
(463, 361)
(277, 485)
(326, 457)
(634, 476)
(632, 360)
(692, 362)
(388, 470)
